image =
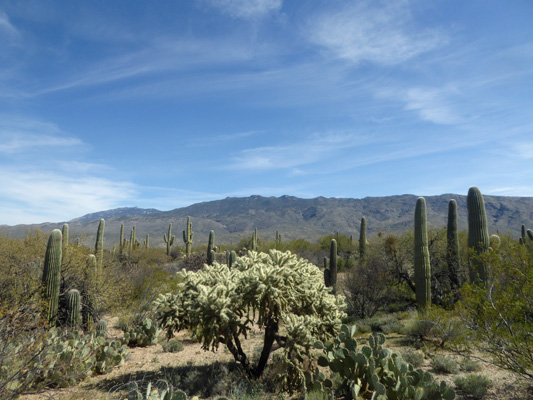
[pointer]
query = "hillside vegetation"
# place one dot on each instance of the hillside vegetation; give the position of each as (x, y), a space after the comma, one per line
(411, 315)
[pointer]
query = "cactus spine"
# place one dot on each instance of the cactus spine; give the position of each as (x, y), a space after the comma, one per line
(452, 245)
(73, 308)
(51, 277)
(187, 237)
(211, 248)
(421, 257)
(478, 235)
(169, 240)
(99, 246)
(362, 241)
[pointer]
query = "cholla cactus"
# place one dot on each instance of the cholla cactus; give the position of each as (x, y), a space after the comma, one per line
(220, 305)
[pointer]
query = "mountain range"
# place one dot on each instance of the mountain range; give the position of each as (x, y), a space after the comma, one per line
(236, 217)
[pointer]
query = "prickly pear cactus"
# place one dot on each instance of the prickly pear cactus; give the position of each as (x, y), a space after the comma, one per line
(372, 371)
(142, 336)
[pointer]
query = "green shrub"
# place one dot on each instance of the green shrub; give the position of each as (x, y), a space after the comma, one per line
(444, 365)
(469, 365)
(413, 357)
(473, 385)
(172, 346)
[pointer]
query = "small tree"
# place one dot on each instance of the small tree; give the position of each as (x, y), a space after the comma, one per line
(278, 291)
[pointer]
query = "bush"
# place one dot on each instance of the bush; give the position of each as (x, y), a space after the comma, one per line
(444, 365)
(172, 346)
(413, 357)
(469, 365)
(473, 385)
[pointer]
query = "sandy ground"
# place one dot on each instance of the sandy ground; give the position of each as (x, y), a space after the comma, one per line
(141, 361)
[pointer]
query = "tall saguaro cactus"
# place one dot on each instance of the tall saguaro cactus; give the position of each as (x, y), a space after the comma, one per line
(362, 241)
(421, 257)
(452, 245)
(122, 242)
(169, 240)
(73, 310)
(64, 233)
(478, 235)
(99, 246)
(187, 237)
(332, 272)
(51, 277)
(211, 248)
(254, 240)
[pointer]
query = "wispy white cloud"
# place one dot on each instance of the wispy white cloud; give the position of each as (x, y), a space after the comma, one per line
(54, 196)
(372, 31)
(246, 8)
(6, 26)
(523, 150)
(20, 135)
(290, 156)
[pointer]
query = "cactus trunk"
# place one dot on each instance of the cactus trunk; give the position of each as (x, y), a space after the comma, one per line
(187, 237)
(421, 257)
(51, 277)
(169, 240)
(452, 246)
(211, 248)
(362, 241)
(333, 265)
(478, 235)
(73, 310)
(99, 246)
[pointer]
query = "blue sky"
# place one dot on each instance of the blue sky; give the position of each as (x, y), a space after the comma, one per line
(163, 104)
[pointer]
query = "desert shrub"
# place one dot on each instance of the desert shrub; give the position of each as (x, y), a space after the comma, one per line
(470, 365)
(194, 262)
(473, 385)
(218, 305)
(413, 357)
(172, 346)
(444, 365)
(498, 316)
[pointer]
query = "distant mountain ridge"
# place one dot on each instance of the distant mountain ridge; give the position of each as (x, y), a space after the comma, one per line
(233, 218)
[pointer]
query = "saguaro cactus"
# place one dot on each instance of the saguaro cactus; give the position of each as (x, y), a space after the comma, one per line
(99, 246)
(187, 237)
(421, 257)
(362, 241)
(73, 308)
(331, 275)
(478, 235)
(231, 258)
(147, 242)
(169, 240)
(122, 241)
(253, 245)
(211, 248)
(452, 245)
(64, 233)
(51, 277)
